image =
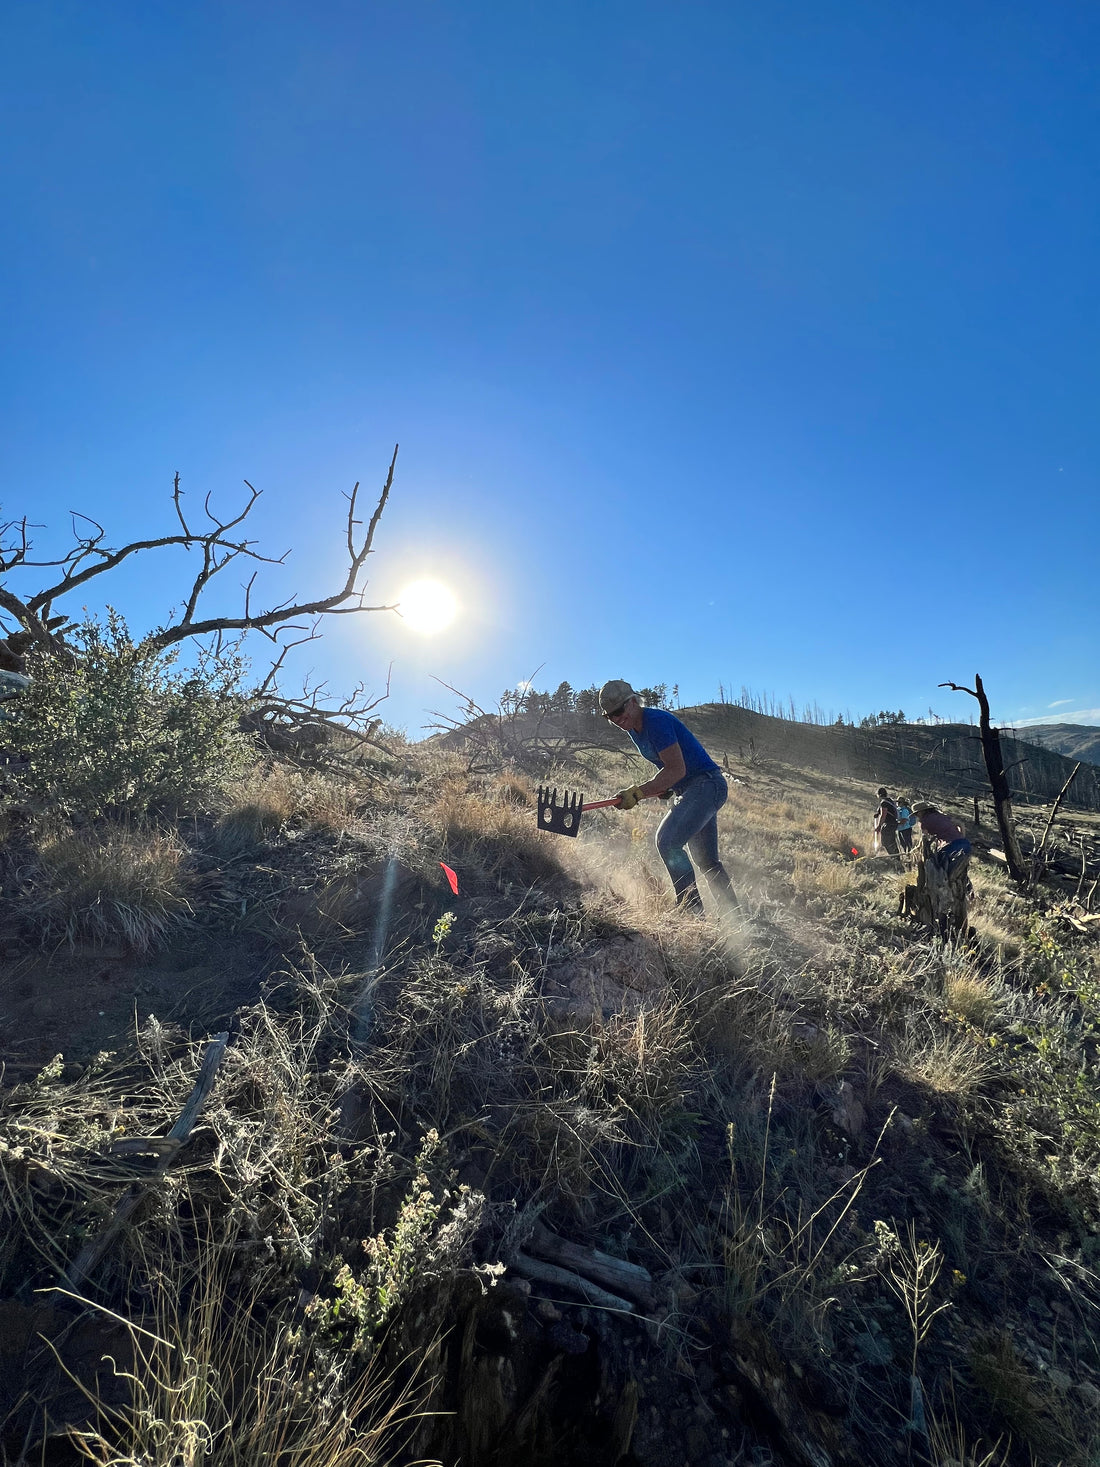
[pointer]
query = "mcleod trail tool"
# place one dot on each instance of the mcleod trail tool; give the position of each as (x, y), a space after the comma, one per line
(565, 818)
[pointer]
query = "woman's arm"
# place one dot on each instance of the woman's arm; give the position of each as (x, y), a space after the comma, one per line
(671, 772)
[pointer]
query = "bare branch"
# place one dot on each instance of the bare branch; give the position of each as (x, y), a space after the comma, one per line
(287, 611)
(177, 495)
(13, 553)
(34, 628)
(270, 681)
(219, 546)
(293, 724)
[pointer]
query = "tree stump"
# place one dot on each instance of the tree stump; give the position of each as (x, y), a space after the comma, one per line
(941, 900)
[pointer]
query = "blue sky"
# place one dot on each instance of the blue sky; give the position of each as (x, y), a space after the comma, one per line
(725, 343)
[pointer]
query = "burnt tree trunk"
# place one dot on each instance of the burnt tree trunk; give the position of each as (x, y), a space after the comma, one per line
(941, 900)
(998, 781)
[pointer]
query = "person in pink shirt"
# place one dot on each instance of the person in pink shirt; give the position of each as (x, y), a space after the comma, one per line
(954, 847)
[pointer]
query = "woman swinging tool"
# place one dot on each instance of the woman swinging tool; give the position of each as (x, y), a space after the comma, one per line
(686, 771)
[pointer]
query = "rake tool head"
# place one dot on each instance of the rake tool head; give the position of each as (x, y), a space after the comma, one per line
(561, 819)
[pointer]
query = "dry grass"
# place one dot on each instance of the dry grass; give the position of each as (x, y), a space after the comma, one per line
(815, 877)
(256, 807)
(119, 883)
(831, 832)
(487, 825)
(949, 1062)
(641, 1062)
(999, 914)
(582, 1058)
(241, 1386)
(970, 997)
(260, 805)
(768, 816)
(332, 802)
(226, 1366)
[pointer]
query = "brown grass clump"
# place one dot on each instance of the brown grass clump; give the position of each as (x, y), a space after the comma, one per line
(515, 789)
(332, 802)
(948, 1062)
(969, 997)
(815, 877)
(261, 804)
(830, 833)
(258, 805)
(486, 825)
(122, 883)
(641, 1061)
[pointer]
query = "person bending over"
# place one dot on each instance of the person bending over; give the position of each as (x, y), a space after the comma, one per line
(953, 848)
(684, 770)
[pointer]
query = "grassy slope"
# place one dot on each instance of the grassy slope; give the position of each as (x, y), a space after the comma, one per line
(945, 759)
(845, 1155)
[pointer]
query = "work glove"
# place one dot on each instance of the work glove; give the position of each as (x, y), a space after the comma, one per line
(629, 798)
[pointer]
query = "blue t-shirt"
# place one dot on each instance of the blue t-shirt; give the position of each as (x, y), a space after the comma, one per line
(660, 730)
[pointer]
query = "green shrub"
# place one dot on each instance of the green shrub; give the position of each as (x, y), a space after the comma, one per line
(116, 727)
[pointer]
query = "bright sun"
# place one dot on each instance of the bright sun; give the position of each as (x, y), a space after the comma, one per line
(427, 606)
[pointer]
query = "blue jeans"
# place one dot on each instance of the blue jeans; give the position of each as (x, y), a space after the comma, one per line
(693, 822)
(948, 857)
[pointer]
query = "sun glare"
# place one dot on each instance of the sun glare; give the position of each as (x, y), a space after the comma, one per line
(427, 606)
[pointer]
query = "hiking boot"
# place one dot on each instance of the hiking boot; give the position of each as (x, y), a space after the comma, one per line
(690, 902)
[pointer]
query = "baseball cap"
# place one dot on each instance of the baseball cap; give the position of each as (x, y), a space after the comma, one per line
(614, 694)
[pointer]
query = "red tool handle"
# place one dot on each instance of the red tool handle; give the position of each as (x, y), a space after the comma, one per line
(599, 804)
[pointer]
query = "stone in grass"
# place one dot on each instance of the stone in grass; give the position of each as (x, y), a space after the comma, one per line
(848, 1111)
(875, 1349)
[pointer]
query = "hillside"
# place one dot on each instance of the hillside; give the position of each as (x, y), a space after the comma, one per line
(541, 1172)
(1074, 740)
(941, 760)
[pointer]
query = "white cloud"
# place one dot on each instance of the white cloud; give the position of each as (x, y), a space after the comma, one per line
(1088, 716)
(1059, 702)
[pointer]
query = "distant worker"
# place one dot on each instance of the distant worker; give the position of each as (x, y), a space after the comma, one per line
(685, 770)
(906, 822)
(886, 822)
(954, 848)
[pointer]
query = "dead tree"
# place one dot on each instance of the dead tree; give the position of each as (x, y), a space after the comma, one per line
(301, 725)
(218, 545)
(998, 781)
(1037, 860)
(495, 739)
(34, 621)
(940, 900)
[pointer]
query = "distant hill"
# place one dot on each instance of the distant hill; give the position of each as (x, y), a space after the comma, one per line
(917, 759)
(1074, 740)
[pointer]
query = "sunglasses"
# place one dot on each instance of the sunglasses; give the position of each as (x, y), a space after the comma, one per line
(618, 712)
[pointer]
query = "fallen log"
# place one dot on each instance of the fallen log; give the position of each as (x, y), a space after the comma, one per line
(164, 1148)
(616, 1274)
(572, 1283)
